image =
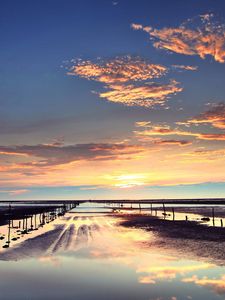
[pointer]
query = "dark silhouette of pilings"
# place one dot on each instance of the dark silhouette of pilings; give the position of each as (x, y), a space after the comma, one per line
(173, 212)
(213, 216)
(164, 211)
(8, 236)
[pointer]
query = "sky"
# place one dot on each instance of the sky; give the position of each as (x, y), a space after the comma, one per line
(112, 99)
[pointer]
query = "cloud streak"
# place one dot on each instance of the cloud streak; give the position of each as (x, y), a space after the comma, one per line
(126, 80)
(147, 95)
(173, 142)
(165, 130)
(55, 154)
(186, 68)
(200, 36)
(217, 285)
(118, 70)
(214, 116)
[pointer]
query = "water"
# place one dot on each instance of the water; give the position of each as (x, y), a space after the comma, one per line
(86, 254)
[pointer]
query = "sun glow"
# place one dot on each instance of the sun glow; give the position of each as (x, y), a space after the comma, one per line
(130, 180)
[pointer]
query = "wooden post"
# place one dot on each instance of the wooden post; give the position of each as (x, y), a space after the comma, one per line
(139, 206)
(221, 221)
(35, 221)
(164, 211)
(213, 216)
(151, 208)
(173, 213)
(9, 230)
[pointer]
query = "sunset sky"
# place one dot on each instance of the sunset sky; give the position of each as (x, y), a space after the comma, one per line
(112, 99)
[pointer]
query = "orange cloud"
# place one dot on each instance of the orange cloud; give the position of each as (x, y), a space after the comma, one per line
(166, 130)
(173, 142)
(200, 36)
(207, 154)
(118, 70)
(167, 272)
(147, 95)
(217, 285)
(126, 80)
(214, 116)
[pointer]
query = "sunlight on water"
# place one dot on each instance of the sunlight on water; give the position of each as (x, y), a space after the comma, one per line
(86, 254)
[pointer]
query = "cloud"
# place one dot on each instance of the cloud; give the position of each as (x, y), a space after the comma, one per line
(207, 154)
(213, 137)
(167, 273)
(165, 130)
(126, 80)
(136, 26)
(147, 95)
(173, 142)
(214, 116)
(15, 192)
(200, 36)
(143, 123)
(118, 70)
(217, 285)
(187, 68)
(57, 154)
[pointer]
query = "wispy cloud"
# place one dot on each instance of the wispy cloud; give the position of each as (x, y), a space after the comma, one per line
(154, 274)
(117, 70)
(217, 285)
(147, 95)
(126, 80)
(183, 67)
(15, 192)
(214, 116)
(165, 130)
(57, 154)
(200, 36)
(173, 142)
(206, 154)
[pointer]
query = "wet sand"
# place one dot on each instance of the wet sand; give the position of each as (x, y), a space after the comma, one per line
(187, 238)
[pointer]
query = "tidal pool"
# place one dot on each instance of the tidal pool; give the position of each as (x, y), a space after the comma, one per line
(87, 254)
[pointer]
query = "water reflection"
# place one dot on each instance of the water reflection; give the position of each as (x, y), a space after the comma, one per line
(82, 254)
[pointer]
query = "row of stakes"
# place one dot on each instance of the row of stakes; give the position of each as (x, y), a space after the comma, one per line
(165, 214)
(22, 228)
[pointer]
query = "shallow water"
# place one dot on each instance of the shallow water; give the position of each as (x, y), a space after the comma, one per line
(157, 210)
(86, 254)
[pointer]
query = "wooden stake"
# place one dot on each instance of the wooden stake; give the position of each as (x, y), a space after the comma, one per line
(173, 213)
